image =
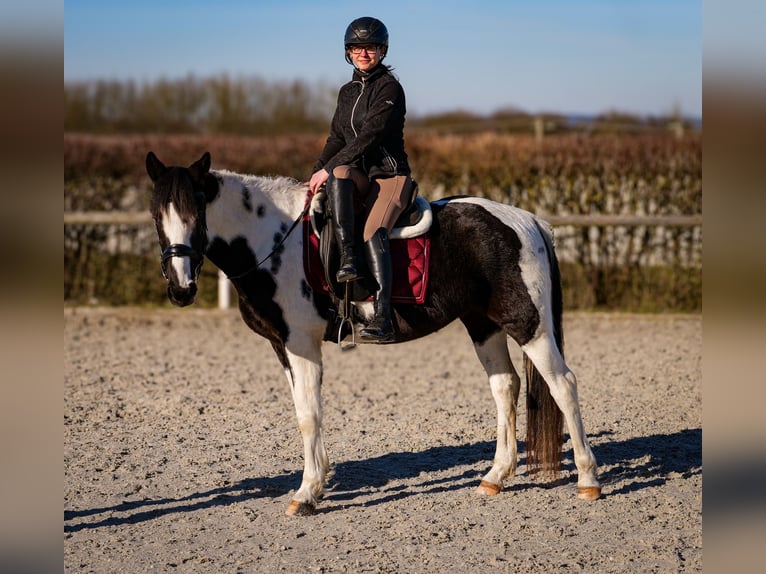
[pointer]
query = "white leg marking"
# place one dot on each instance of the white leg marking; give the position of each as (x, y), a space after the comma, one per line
(544, 353)
(305, 383)
(505, 383)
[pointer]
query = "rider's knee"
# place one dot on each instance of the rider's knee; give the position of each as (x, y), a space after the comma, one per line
(342, 172)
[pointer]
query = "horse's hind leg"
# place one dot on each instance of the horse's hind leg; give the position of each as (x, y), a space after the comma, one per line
(505, 383)
(545, 355)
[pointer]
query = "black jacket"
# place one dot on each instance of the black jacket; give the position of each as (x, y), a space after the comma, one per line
(367, 130)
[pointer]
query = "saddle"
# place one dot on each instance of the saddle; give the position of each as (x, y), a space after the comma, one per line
(410, 253)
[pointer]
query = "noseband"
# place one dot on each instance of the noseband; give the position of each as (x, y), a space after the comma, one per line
(180, 250)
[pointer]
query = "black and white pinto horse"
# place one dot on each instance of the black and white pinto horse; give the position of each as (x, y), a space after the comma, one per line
(492, 266)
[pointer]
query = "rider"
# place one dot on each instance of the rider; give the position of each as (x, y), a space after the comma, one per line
(364, 157)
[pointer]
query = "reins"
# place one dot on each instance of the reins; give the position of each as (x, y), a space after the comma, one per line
(277, 246)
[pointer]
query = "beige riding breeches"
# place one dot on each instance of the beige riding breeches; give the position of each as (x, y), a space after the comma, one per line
(383, 200)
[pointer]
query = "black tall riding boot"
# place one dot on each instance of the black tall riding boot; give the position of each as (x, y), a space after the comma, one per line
(378, 254)
(340, 192)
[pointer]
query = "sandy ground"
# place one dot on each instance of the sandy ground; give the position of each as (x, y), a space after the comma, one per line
(181, 452)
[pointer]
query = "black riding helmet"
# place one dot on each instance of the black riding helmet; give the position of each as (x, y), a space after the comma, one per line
(366, 30)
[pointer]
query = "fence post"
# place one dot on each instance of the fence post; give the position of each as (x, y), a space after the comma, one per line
(224, 291)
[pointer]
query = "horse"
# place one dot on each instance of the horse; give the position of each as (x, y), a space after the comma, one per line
(492, 266)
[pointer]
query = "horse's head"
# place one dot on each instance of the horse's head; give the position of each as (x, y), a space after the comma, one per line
(178, 210)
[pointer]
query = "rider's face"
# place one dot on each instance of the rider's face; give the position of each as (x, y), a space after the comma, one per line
(365, 56)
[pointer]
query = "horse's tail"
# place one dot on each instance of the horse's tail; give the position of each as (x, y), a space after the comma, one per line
(544, 418)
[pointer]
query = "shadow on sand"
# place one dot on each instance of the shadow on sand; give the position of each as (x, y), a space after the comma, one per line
(627, 466)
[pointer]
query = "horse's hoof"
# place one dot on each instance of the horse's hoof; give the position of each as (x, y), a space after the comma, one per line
(488, 488)
(300, 509)
(588, 492)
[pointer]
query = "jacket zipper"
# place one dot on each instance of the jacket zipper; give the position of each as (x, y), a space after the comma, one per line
(391, 161)
(353, 109)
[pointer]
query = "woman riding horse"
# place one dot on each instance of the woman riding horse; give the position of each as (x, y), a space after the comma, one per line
(364, 159)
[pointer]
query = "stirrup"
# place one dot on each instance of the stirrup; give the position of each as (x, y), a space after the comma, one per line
(345, 317)
(352, 344)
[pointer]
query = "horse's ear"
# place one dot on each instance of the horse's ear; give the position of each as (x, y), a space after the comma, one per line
(154, 167)
(200, 167)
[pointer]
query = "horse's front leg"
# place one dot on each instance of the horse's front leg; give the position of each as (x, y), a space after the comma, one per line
(304, 373)
(505, 384)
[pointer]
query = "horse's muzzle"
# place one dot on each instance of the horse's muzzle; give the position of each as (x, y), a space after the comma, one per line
(182, 297)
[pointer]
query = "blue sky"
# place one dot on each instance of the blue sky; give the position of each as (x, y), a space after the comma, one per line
(565, 56)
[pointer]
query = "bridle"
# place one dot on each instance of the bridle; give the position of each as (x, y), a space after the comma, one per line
(180, 250)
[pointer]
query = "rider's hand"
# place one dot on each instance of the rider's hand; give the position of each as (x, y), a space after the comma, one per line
(318, 180)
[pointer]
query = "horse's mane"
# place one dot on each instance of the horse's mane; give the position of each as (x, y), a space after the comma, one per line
(264, 183)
